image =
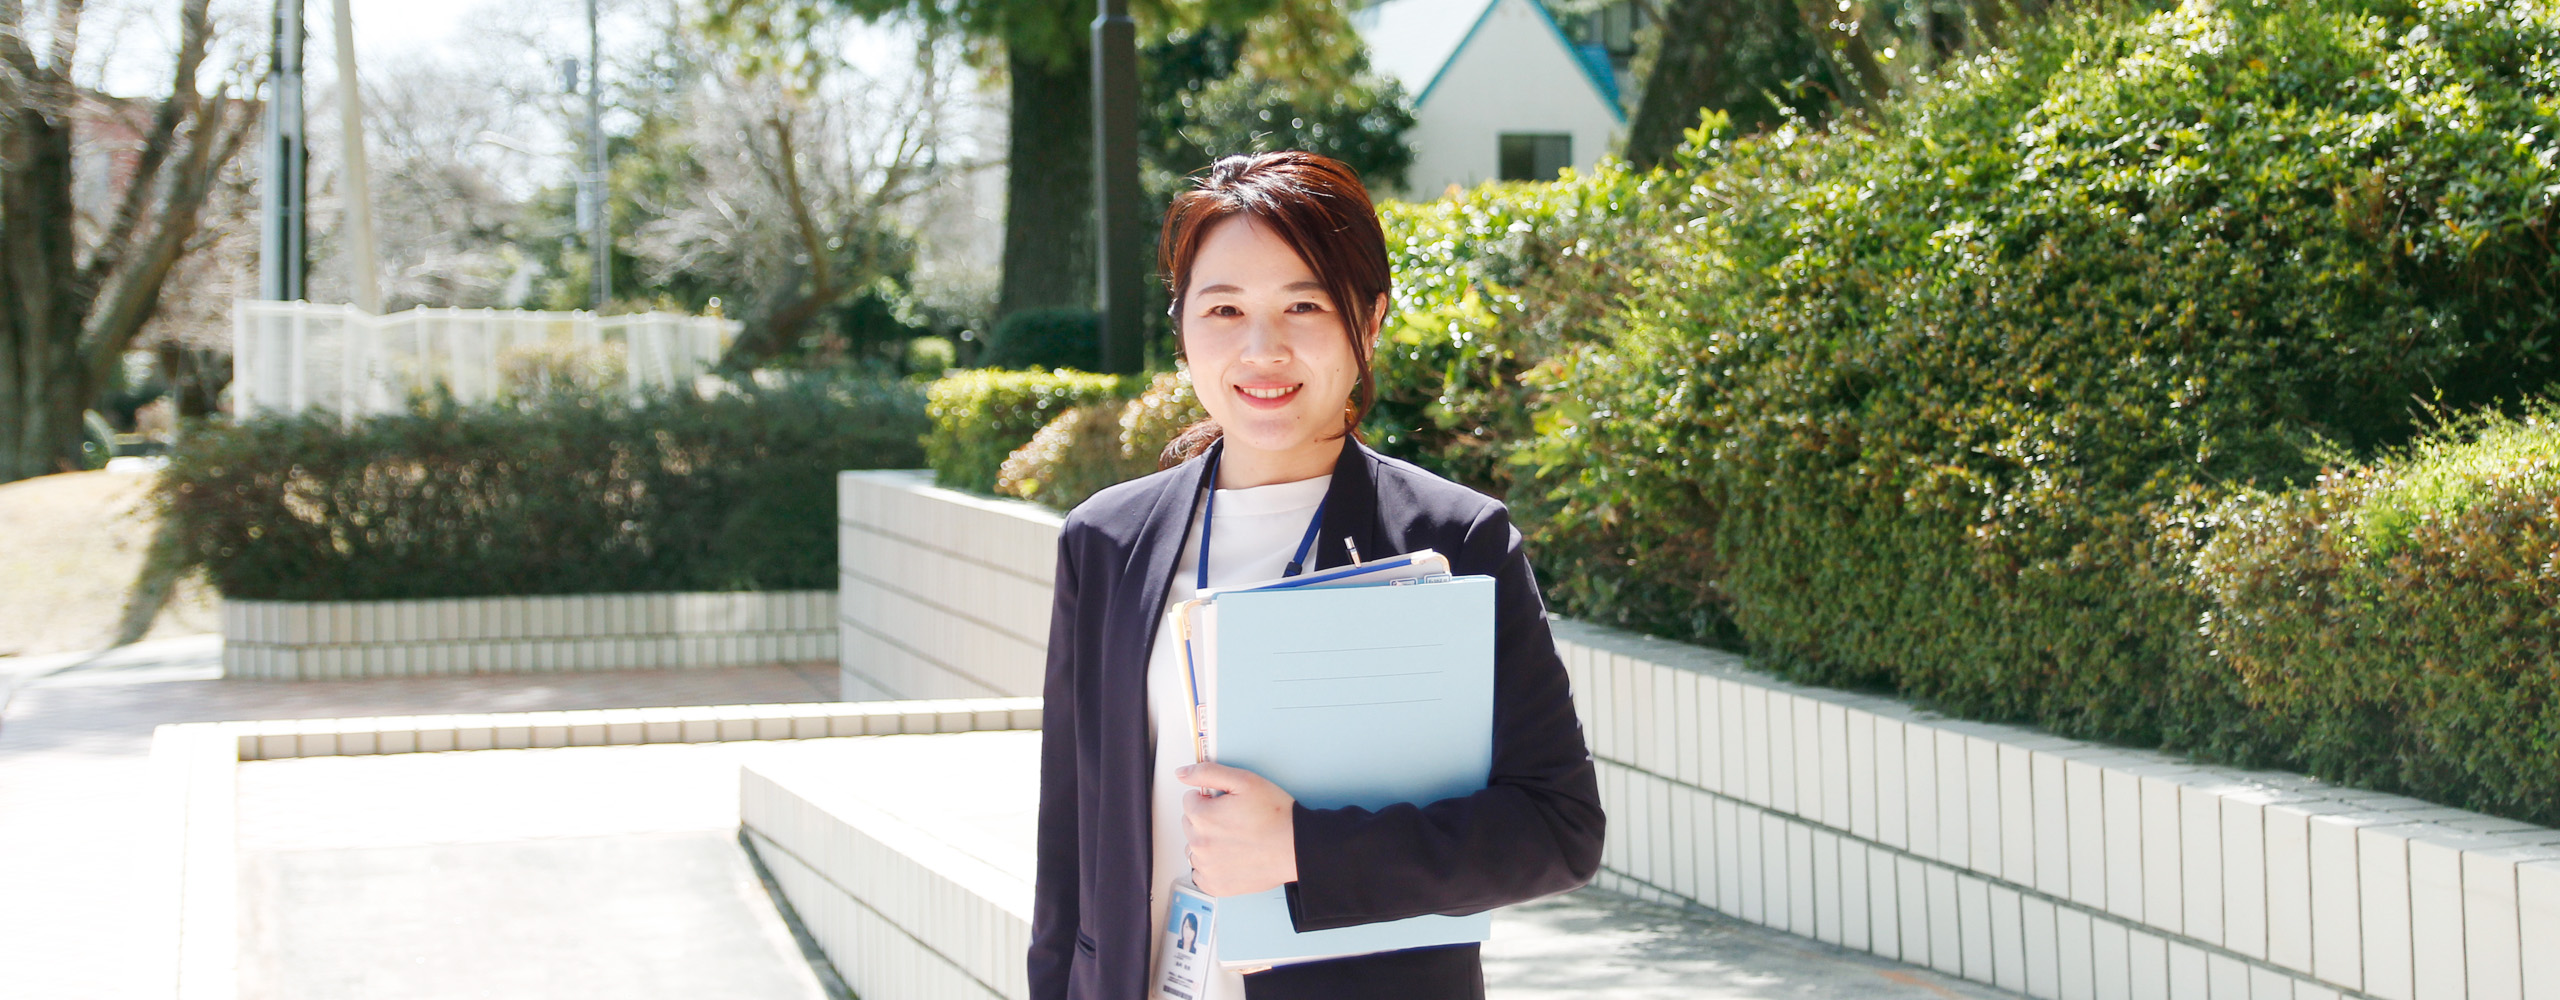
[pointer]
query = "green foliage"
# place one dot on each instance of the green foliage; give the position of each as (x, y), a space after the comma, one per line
(2401, 619)
(1045, 339)
(1204, 98)
(568, 493)
(930, 356)
(979, 417)
(1093, 446)
(1495, 289)
(1070, 458)
(1929, 404)
(1490, 283)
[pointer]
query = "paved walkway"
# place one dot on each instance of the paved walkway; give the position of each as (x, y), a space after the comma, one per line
(74, 761)
(1587, 945)
(600, 871)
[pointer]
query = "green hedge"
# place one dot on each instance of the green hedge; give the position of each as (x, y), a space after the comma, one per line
(981, 416)
(1096, 445)
(1933, 398)
(1489, 284)
(566, 494)
(1045, 339)
(2402, 619)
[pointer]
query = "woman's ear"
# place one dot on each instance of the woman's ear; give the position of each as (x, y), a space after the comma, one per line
(1377, 323)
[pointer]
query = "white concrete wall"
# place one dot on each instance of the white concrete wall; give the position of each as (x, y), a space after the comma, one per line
(2057, 868)
(899, 912)
(317, 640)
(941, 594)
(1513, 76)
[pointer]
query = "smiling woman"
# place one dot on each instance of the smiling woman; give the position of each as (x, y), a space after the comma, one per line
(1279, 277)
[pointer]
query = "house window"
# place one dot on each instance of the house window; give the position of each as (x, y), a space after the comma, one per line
(1535, 156)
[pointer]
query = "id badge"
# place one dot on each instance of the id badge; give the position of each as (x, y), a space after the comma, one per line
(1190, 925)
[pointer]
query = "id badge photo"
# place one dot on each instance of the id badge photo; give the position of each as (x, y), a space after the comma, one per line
(1188, 956)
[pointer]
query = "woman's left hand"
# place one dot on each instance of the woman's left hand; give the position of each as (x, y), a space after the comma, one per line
(1244, 841)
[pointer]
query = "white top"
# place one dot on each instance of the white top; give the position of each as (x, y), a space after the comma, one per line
(1258, 530)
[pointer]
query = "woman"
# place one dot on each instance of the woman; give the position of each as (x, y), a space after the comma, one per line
(1279, 277)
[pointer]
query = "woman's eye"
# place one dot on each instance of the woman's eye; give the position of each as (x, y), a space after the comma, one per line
(1306, 307)
(1225, 310)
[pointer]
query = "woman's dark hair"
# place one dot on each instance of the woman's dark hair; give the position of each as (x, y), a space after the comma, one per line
(1317, 205)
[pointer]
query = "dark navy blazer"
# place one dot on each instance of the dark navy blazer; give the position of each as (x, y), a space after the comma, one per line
(1533, 831)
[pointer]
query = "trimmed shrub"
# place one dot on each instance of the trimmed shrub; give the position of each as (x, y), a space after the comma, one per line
(1071, 458)
(557, 495)
(1924, 402)
(1495, 289)
(1044, 339)
(1091, 447)
(1490, 283)
(981, 416)
(929, 356)
(2401, 619)
(1150, 422)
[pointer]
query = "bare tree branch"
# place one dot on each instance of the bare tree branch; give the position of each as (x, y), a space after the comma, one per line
(130, 295)
(66, 37)
(179, 108)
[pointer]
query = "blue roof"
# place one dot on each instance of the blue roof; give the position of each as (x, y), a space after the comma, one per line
(1415, 41)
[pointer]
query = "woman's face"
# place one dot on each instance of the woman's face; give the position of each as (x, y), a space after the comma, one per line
(1265, 345)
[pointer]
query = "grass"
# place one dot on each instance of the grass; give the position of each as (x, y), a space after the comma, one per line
(71, 549)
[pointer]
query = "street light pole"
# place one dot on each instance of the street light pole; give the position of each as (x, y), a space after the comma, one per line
(599, 206)
(1118, 217)
(362, 255)
(283, 256)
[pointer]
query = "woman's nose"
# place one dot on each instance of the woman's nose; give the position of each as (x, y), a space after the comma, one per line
(1264, 343)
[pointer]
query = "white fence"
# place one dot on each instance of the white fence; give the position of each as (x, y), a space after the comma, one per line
(288, 357)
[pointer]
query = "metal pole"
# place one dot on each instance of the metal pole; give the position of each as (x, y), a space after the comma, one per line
(361, 253)
(600, 240)
(1121, 276)
(283, 257)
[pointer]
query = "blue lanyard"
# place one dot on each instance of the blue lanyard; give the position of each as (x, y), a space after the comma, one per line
(1209, 519)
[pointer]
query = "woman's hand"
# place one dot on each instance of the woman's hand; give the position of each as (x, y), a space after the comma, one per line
(1242, 842)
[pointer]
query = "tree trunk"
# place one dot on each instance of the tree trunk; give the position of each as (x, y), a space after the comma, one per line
(1733, 56)
(44, 382)
(1689, 69)
(1048, 202)
(1852, 60)
(65, 321)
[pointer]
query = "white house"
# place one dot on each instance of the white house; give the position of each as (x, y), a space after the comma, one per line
(1499, 92)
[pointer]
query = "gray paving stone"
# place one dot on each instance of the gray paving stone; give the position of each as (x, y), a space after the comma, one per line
(74, 770)
(1594, 945)
(634, 917)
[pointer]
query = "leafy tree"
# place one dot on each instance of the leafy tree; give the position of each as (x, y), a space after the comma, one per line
(1046, 56)
(1288, 81)
(783, 174)
(1758, 61)
(76, 286)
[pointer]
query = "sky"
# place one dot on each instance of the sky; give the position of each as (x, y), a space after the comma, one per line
(126, 43)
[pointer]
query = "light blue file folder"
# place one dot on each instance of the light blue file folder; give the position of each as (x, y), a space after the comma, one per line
(1358, 696)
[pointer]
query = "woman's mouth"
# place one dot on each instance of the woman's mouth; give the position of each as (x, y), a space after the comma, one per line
(1268, 396)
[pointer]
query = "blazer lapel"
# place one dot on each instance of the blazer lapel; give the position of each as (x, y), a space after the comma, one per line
(1159, 544)
(1350, 510)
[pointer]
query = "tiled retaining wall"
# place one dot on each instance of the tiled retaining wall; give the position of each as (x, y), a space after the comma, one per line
(940, 594)
(899, 912)
(2057, 868)
(294, 640)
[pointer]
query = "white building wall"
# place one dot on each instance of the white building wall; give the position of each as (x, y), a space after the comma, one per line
(1513, 75)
